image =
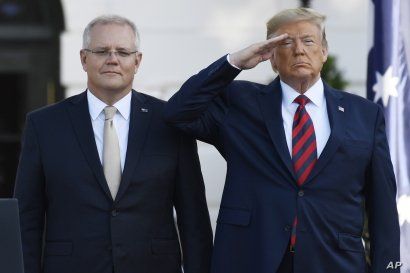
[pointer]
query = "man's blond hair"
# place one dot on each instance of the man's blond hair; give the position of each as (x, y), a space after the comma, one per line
(294, 15)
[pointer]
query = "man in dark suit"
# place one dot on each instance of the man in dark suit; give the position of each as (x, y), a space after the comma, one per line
(303, 159)
(100, 174)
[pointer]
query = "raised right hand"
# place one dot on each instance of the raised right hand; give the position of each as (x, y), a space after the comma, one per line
(254, 54)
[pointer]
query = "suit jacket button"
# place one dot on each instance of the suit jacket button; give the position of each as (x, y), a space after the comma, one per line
(287, 228)
(114, 212)
(301, 193)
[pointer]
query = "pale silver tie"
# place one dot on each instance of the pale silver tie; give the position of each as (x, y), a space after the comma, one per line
(111, 152)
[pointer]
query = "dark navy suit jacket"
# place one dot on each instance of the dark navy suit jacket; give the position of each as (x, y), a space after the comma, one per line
(261, 198)
(62, 192)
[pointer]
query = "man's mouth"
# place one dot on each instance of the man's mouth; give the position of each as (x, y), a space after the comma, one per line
(300, 64)
(111, 72)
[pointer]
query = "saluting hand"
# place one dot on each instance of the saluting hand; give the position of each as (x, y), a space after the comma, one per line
(254, 54)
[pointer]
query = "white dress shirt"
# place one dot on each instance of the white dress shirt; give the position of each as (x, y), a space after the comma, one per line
(316, 108)
(121, 122)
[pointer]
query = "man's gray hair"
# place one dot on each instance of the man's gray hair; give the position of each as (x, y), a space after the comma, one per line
(107, 20)
(294, 15)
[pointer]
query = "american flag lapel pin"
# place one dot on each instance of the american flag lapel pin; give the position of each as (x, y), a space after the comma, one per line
(341, 109)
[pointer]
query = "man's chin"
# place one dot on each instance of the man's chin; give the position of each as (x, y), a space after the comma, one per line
(298, 77)
(112, 83)
(301, 69)
(303, 73)
(113, 88)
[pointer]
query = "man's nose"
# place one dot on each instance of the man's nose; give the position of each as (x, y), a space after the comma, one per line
(112, 57)
(299, 47)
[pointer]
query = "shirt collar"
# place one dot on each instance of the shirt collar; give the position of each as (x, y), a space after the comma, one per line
(315, 93)
(96, 106)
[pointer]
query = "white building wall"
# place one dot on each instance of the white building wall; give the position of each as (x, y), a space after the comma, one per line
(180, 37)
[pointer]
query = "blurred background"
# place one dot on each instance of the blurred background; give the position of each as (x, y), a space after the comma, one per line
(40, 42)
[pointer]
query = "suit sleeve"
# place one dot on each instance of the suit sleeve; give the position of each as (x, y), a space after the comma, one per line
(201, 104)
(381, 204)
(192, 213)
(29, 191)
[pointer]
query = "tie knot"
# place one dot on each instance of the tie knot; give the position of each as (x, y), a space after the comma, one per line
(302, 100)
(109, 112)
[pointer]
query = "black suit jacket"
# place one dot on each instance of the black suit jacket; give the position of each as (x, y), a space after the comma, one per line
(261, 197)
(62, 192)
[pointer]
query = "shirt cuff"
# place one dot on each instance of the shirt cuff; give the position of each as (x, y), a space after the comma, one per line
(229, 61)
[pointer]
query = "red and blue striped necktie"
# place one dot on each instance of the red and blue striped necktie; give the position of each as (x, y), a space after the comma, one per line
(304, 152)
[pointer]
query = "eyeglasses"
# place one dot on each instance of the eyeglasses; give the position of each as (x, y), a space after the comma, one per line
(105, 53)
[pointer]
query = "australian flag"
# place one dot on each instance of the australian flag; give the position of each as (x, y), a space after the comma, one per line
(388, 83)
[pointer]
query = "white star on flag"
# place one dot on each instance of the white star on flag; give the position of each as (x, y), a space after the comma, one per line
(403, 205)
(385, 86)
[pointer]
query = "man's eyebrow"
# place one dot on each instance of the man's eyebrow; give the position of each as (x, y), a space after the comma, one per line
(124, 48)
(306, 35)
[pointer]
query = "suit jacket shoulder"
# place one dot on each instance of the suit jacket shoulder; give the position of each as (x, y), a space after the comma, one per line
(155, 105)
(53, 111)
(356, 103)
(143, 97)
(239, 91)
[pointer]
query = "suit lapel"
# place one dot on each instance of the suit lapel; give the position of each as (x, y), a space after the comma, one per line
(81, 122)
(270, 101)
(334, 102)
(140, 118)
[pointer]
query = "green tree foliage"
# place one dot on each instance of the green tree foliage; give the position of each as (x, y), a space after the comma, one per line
(332, 75)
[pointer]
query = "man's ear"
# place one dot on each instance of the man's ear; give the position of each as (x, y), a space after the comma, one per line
(325, 53)
(138, 59)
(83, 58)
(273, 63)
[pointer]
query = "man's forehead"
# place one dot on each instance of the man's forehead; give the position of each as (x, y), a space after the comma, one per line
(105, 44)
(100, 29)
(301, 35)
(298, 27)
